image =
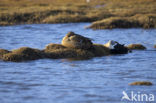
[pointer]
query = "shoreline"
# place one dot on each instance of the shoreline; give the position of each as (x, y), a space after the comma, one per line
(108, 23)
(109, 13)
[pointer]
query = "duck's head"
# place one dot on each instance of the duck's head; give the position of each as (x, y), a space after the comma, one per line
(70, 34)
(113, 43)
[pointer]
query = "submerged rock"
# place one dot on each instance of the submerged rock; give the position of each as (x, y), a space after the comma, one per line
(72, 40)
(23, 54)
(136, 47)
(146, 83)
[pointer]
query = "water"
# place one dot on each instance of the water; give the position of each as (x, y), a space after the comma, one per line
(98, 80)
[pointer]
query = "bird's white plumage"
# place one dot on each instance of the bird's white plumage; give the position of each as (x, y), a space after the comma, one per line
(110, 44)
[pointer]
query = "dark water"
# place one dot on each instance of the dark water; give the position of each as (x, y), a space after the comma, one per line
(98, 80)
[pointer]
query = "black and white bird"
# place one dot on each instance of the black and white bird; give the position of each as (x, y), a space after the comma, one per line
(111, 44)
(116, 48)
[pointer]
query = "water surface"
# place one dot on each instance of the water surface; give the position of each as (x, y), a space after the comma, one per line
(98, 80)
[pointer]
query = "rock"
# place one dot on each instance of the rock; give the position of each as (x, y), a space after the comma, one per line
(154, 46)
(23, 54)
(72, 40)
(110, 23)
(69, 53)
(116, 48)
(56, 51)
(14, 57)
(139, 20)
(146, 83)
(100, 50)
(136, 47)
(63, 52)
(53, 46)
(2, 52)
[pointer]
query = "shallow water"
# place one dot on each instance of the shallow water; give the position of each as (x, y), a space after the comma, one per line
(98, 80)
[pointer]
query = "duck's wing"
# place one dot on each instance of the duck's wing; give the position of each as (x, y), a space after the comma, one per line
(75, 38)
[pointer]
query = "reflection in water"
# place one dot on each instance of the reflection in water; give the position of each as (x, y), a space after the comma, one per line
(96, 80)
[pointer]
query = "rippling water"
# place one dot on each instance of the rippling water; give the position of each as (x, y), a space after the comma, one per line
(98, 80)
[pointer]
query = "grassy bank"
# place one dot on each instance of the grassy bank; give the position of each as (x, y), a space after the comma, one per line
(137, 21)
(65, 11)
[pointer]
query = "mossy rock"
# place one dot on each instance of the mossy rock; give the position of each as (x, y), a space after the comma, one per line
(64, 52)
(137, 21)
(53, 46)
(112, 22)
(55, 51)
(14, 57)
(3, 52)
(136, 47)
(23, 54)
(146, 83)
(69, 53)
(100, 50)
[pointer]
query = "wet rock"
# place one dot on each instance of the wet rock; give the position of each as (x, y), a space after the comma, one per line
(146, 83)
(154, 46)
(3, 52)
(72, 40)
(23, 54)
(136, 47)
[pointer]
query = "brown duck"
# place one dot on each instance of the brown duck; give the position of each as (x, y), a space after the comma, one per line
(73, 40)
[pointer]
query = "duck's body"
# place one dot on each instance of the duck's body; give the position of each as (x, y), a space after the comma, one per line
(73, 40)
